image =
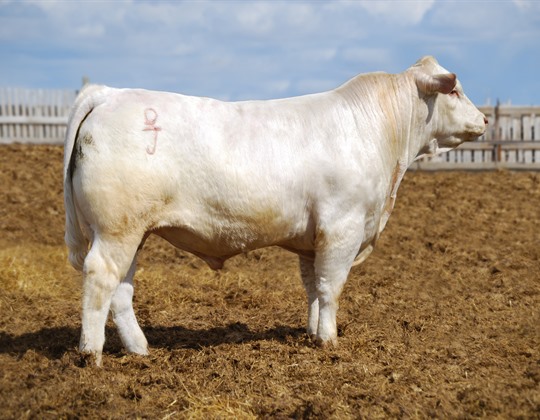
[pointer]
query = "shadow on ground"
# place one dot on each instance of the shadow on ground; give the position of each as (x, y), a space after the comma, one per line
(53, 343)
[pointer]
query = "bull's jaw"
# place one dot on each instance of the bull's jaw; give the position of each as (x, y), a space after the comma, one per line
(433, 148)
(449, 143)
(438, 146)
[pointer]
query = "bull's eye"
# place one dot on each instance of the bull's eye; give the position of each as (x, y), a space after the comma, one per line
(454, 93)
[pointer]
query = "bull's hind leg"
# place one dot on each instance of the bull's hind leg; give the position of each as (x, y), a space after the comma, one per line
(124, 317)
(105, 266)
(307, 272)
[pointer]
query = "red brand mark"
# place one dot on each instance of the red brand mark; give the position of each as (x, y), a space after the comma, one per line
(150, 118)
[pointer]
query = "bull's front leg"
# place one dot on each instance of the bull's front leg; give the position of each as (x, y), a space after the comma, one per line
(333, 262)
(124, 316)
(307, 272)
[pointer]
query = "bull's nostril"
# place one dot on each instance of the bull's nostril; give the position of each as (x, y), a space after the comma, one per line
(485, 121)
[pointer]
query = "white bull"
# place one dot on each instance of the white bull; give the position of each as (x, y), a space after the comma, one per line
(316, 175)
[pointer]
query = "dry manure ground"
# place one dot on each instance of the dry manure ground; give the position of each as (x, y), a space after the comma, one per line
(443, 320)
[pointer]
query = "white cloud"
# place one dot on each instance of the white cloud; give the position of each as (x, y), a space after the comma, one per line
(274, 18)
(404, 12)
(376, 56)
(183, 49)
(259, 18)
(528, 5)
(318, 54)
(91, 31)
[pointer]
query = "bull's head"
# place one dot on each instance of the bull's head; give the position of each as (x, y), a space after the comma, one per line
(452, 116)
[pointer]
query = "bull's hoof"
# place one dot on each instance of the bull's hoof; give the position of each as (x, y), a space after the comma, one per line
(140, 350)
(87, 358)
(326, 344)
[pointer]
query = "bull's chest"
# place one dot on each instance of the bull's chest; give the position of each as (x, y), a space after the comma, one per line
(376, 220)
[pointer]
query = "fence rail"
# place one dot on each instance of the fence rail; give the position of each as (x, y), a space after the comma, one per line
(511, 141)
(486, 155)
(34, 115)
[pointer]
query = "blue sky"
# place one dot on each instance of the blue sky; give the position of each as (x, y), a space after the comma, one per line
(237, 50)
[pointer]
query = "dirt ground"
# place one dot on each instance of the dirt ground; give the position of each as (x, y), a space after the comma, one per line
(443, 320)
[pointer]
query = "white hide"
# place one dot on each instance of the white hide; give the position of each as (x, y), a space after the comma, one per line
(317, 175)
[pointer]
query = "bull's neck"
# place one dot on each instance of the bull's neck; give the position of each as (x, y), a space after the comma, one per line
(391, 126)
(405, 127)
(387, 105)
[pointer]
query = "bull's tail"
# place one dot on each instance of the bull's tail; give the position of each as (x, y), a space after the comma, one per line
(76, 241)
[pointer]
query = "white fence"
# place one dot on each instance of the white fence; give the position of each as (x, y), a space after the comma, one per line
(512, 140)
(34, 115)
(484, 155)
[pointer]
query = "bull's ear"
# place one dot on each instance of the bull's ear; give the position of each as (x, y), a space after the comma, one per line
(442, 83)
(427, 60)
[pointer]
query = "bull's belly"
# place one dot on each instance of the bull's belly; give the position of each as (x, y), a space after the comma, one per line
(228, 243)
(217, 244)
